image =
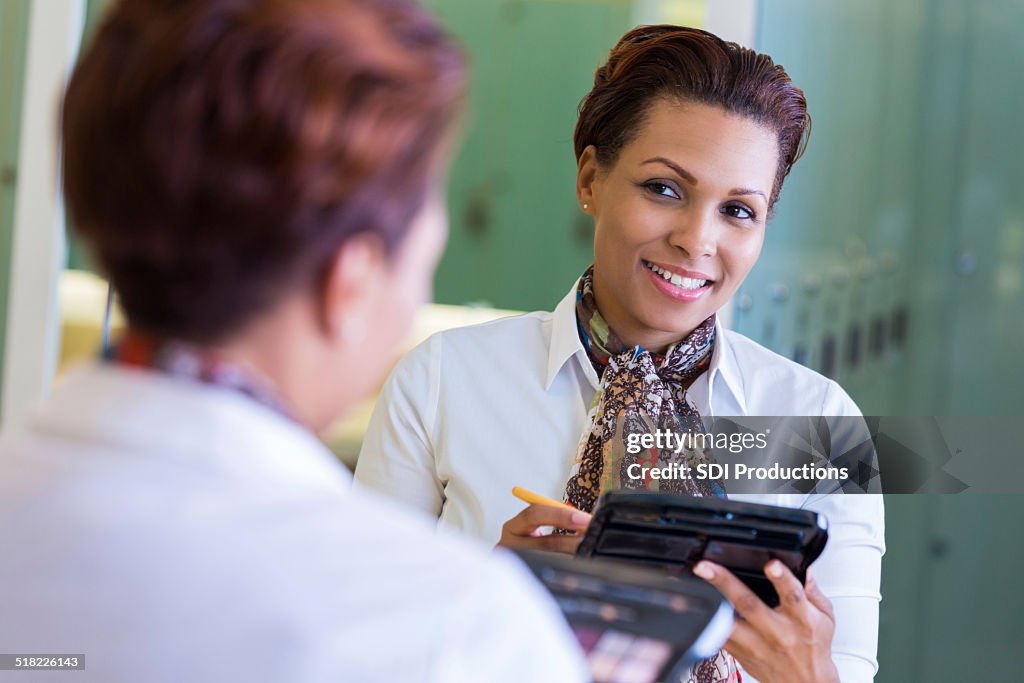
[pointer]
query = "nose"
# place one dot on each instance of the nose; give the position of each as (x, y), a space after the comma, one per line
(695, 234)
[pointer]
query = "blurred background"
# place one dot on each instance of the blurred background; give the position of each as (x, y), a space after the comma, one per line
(895, 262)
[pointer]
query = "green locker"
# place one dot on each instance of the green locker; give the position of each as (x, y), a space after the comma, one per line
(905, 204)
(984, 310)
(842, 226)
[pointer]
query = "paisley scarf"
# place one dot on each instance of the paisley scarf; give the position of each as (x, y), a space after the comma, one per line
(641, 392)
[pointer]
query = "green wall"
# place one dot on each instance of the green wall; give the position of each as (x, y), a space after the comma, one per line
(13, 32)
(518, 238)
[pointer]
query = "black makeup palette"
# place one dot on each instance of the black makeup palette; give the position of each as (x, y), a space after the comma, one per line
(635, 625)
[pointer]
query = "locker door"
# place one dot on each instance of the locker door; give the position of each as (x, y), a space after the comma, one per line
(905, 566)
(842, 223)
(972, 622)
(985, 336)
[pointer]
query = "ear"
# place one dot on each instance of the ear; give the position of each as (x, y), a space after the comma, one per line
(586, 175)
(351, 288)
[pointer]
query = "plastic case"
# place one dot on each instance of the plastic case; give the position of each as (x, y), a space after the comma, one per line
(675, 532)
(635, 624)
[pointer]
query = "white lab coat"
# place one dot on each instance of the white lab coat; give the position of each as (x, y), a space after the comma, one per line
(474, 411)
(174, 531)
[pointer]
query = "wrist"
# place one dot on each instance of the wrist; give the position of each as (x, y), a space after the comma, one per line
(829, 674)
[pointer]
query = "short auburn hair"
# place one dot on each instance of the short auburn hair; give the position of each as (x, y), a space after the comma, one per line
(689, 64)
(218, 153)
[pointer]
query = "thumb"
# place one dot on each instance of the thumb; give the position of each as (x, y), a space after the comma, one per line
(817, 598)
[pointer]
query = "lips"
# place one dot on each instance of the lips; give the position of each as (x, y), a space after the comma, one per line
(691, 286)
(683, 279)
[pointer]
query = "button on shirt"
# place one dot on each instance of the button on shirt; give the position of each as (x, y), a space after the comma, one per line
(474, 411)
(174, 531)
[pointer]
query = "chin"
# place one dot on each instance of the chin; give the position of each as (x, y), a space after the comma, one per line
(681, 317)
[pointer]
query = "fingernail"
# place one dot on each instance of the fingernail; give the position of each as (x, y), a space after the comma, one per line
(579, 517)
(775, 569)
(704, 571)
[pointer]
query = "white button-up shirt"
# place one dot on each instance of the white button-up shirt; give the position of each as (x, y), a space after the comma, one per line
(474, 411)
(174, 531)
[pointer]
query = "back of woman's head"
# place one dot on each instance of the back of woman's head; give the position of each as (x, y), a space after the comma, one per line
(218, 153)
(689, 64)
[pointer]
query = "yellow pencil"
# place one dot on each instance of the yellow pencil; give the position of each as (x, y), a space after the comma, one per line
(528, 496)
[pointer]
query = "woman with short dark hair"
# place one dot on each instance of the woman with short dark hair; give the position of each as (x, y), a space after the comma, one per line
(261, 182)
(682, 148)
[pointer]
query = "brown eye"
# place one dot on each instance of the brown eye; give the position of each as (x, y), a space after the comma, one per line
(738, 211)
(661, 189)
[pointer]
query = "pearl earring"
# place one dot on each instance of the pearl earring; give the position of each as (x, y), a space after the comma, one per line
(586, 206)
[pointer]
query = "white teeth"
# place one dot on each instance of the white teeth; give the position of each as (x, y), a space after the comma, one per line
(676, 279)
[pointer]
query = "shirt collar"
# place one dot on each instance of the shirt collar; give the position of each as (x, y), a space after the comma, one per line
(565, 344)
(565, 340)
(196, 425)
(725, 367)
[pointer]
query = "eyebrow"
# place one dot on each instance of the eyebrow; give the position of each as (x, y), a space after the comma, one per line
(674, 166)
(689, 177)
(740, 191)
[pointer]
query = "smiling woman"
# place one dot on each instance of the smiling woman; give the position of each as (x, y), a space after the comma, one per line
(679, 218)
(682, 148)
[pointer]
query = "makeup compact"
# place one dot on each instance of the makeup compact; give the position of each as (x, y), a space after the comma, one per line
(674, 532)
(634, 624)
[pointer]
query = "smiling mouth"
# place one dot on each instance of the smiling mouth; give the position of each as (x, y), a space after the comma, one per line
(675, 278)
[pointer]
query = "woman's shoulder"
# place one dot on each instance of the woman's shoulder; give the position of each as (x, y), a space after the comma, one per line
(512, 329)
(482, 349)
(774, 384)
(490, 341)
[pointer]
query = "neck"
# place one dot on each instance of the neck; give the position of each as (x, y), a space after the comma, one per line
(630, 330)
(280, 351)
(291, 361)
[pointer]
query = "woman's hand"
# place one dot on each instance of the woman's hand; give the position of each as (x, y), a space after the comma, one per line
(790, 643)
(524, 530)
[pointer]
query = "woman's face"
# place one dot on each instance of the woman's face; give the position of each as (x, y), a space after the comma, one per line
(679, 218)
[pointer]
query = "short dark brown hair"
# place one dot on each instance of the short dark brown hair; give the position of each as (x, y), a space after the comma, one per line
(217, 153)
(689, 64)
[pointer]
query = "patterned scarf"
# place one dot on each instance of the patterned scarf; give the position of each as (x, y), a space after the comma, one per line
(640, 393)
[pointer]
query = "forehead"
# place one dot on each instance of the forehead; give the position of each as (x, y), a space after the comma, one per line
(716, 146)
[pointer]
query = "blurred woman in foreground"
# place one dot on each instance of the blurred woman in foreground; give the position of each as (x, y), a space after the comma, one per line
(260, 180)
